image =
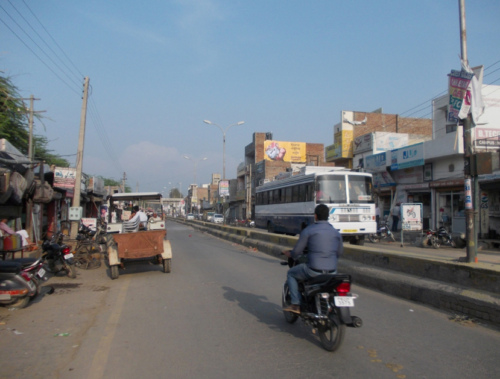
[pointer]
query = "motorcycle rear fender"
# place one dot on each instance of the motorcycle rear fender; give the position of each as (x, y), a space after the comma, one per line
(15, 284)
(345, 315)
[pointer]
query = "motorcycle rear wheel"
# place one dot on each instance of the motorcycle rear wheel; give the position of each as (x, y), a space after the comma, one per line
(436, 243)
(20, 304)
(332, 336)
(70, 271)
(290, 317)
(373, 238)
(453, 243)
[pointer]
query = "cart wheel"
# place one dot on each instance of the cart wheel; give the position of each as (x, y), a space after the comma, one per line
(167, 265)
(114, 272)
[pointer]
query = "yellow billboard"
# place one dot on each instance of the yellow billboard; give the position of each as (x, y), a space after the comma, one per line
(343, 144)
(294, 152)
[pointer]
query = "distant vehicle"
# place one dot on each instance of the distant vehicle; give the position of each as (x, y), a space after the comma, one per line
(208, 216)
(287, 205)
(218, 218)
(190, 216)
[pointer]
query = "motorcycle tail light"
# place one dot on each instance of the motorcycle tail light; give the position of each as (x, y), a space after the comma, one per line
(343, 289)
(161, 225)
(66, 250)
(26, 276)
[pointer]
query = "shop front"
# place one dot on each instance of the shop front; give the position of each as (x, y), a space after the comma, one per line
(449, 205)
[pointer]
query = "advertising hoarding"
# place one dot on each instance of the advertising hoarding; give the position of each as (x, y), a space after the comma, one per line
(408, 156)
(96, 185)
(329, 152)
(389, 141)
(487, 137)
(285, 151)
(411, 216)
(64, 177)
(224, 188)
(458, 106)
(376, 162)
(362, 143)
(343, 144)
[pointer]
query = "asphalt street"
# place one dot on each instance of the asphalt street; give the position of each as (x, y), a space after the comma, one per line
(218, 315)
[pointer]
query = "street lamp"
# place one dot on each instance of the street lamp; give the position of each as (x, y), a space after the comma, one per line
(224, 143)
(195, 163)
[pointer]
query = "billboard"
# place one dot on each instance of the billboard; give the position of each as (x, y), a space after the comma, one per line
(64, 177)
(294, 152)
(389, 141)
(96, 185)
(224, 188)
(329, 152)
(408, 156)
(376, 162)
(459, 105)
(362, 143)
(487, 137)
(343, 144)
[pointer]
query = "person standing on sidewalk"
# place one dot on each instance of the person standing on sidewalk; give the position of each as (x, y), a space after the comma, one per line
(377, 214)
(395, 217)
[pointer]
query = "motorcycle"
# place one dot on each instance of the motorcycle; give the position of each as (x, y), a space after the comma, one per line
(58, 257)
(20, 281)
(439, 237)
(326, 303)
(383, 231)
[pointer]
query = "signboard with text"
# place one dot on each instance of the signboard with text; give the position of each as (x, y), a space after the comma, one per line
(487, 137)
(294, 152)
(408, 156)
(457, 91)
(411, 216)
(224, 188)
(362, 143)
(64, 177)
(376, 162)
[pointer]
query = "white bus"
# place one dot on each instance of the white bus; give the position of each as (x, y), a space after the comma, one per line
(287, 205)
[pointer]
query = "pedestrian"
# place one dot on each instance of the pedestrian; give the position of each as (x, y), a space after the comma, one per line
(395, 217)
(377, 214)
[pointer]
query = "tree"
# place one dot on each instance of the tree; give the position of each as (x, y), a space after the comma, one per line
(113, 183)
(175, 193)
(14, 125)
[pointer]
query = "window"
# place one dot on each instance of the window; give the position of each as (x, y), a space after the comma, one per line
(288, 195)
(302, 193)
(310, 192)
(264, 198)
(295, 194)
(277, 197)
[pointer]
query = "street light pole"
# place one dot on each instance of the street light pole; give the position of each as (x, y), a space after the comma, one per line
(223, 143)
(195, 163)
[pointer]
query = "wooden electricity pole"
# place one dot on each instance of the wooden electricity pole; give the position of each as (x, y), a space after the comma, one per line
(79, 157)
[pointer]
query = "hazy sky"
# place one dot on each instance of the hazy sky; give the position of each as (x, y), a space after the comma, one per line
(157, 69)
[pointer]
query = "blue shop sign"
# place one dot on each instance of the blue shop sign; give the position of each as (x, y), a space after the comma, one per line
(409, 156)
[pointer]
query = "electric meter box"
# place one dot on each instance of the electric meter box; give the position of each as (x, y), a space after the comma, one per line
(75, 213)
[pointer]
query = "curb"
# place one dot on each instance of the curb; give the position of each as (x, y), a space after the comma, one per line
(472, 302)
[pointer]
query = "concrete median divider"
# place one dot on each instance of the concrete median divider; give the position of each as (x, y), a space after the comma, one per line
(461, 288)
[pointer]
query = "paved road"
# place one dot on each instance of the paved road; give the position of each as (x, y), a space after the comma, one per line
(218, 315)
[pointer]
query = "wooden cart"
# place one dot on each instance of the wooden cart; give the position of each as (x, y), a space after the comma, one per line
(125, 247)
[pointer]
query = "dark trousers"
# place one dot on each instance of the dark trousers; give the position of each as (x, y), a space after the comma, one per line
(395, 222)
(377, 218)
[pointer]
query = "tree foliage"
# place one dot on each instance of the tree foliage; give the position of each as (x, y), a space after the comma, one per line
(14, 125)
(175, 193)
(114, 183)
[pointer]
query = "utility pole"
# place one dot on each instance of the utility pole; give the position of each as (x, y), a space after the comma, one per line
(29, 203)
(123, 182)
(469, 172)
(79, 156)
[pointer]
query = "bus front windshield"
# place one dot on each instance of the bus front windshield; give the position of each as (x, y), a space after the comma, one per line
(330, 189)
(360, 189)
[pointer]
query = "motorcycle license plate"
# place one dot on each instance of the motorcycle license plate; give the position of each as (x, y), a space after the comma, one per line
(41, 273)
(5, 296)
(344, 301)
(68, 256)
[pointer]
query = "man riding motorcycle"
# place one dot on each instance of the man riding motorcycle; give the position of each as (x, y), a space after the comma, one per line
(325, 246)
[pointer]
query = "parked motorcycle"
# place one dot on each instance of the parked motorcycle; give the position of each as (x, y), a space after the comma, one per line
(383, 231)
(58, 257)
(326, 303)
(19, 283)
(436, 238)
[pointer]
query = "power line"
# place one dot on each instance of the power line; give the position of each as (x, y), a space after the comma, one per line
(36, 44)
(41, 60)
(39, 36)
(60, 48)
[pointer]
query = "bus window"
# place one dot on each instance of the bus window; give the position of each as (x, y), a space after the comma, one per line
(302, 193)
(295, 194)
(330, 189)
(264, 198)
(288, 195)
(360, 189)
(276, 197)
(310, 192)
